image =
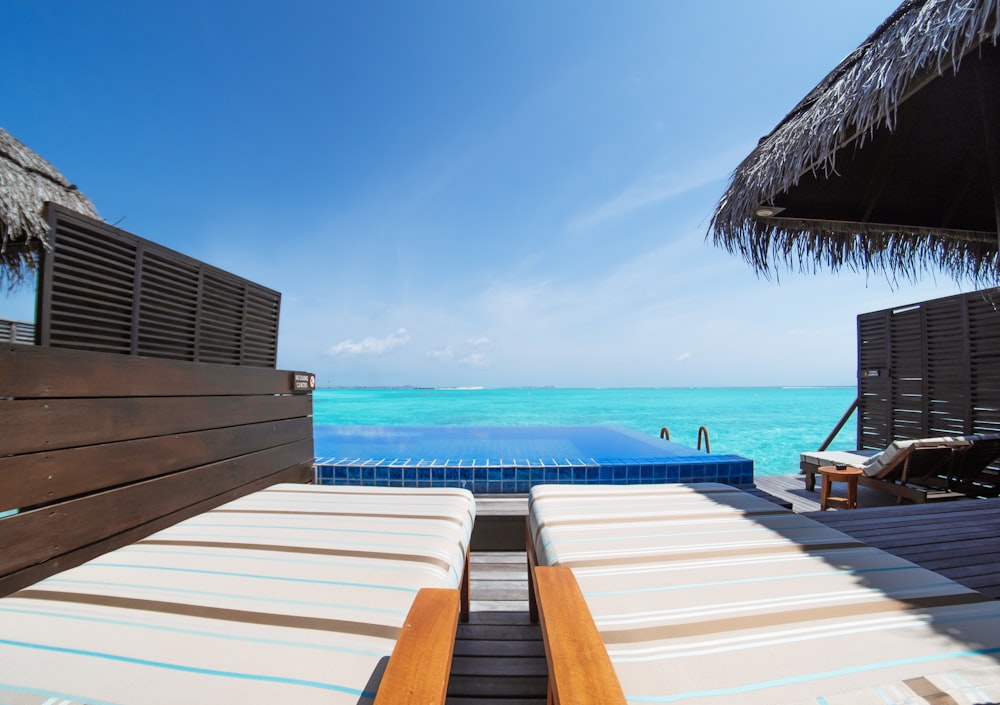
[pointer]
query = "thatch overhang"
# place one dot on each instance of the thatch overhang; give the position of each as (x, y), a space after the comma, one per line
(891, 164)
(26, 182)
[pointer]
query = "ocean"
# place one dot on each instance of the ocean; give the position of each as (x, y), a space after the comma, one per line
(770, 425)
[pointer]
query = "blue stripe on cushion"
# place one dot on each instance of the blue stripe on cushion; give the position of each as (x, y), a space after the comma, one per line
(279, 578)
(190, 669)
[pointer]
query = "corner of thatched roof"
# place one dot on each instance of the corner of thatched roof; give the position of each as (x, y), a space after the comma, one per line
(27, 182)
(921, 39)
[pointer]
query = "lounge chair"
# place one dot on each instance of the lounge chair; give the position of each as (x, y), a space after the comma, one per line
(916, 470)
(975, 472)
(297, 593)
(705, 594)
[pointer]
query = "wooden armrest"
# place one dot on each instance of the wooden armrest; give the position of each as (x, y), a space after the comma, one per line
(580, 671)
(418, 670)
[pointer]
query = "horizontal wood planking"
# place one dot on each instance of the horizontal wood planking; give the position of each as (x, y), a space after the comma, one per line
(40, 478)
(100, 449)
(41, 534)
(37, 425)
(301, 472)
(30, 372)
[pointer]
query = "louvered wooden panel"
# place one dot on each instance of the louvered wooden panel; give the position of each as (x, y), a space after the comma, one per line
(906, 362)
(947, 383)
(168, 308)
(221, 320)
(260, 332)
(873, 380)
(943, 377)
(943, 369)
(107, 290)
(17, 332)
(984, 354)
(92, 283)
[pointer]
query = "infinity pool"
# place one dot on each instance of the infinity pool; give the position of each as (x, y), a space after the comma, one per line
(510, 459)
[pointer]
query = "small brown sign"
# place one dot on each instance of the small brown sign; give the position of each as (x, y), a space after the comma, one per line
(303, 381)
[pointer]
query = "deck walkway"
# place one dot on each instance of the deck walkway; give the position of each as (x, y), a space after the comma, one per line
(499, 656)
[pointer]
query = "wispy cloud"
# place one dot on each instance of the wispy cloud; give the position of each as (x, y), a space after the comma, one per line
(660, 187)
(445, 353)
(474, 360)
(464, 355)
(370, 345)
(682, 357)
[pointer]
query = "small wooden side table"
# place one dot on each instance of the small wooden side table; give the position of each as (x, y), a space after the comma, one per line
(832, 474)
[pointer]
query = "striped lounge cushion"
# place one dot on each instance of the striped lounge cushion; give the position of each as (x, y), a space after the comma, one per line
(705, 594)
(292, 594)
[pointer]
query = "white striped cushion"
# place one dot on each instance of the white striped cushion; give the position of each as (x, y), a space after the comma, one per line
(292, 594)
(705, 594)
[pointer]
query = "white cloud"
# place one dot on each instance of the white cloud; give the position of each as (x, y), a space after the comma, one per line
(482, 340)
(446, 353)
(474, 360)
(657, 188)
(682, 357)
(370, 345)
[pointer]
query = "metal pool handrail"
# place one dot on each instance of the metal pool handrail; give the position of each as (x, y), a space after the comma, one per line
(702, 431)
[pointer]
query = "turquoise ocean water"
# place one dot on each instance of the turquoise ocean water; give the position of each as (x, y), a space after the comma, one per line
(770, 425)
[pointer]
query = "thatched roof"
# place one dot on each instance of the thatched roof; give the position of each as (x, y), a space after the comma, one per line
(886, 165)
(26, 182)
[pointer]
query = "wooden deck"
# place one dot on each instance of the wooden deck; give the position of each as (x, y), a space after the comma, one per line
(960, 540)
(499, 656)
(792, 488)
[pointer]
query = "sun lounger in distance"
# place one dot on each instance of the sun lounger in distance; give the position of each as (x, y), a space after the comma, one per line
(916, 470)
(927, 469)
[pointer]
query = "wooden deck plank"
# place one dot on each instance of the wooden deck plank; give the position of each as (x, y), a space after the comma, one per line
(501, 647)
(959, 540)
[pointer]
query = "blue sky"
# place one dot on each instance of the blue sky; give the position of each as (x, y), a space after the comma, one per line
(456, 193)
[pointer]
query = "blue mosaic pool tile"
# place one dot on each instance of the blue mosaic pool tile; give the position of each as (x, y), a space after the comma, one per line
(517, 475)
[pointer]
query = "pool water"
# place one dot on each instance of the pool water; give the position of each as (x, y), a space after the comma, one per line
(510, 459)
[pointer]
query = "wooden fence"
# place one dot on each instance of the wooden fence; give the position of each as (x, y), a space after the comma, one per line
(103, 289)
(17, 332)
(930, 369)
(98, 450)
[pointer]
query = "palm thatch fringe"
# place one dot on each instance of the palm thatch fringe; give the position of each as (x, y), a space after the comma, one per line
(26, 182)
(921, 40)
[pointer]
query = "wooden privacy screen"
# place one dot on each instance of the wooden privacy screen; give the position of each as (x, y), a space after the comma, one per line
(98, 450)
(931, 369)
(103, 289)
(16, 332)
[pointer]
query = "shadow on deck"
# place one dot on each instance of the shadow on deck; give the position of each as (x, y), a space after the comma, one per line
(499, 655)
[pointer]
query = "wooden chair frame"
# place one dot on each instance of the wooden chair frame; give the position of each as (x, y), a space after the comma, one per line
(580, 670)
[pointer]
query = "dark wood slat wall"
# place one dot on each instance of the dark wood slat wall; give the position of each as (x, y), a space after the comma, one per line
(873, 380)
(930, 369)
(100, 449)
(106, 290)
